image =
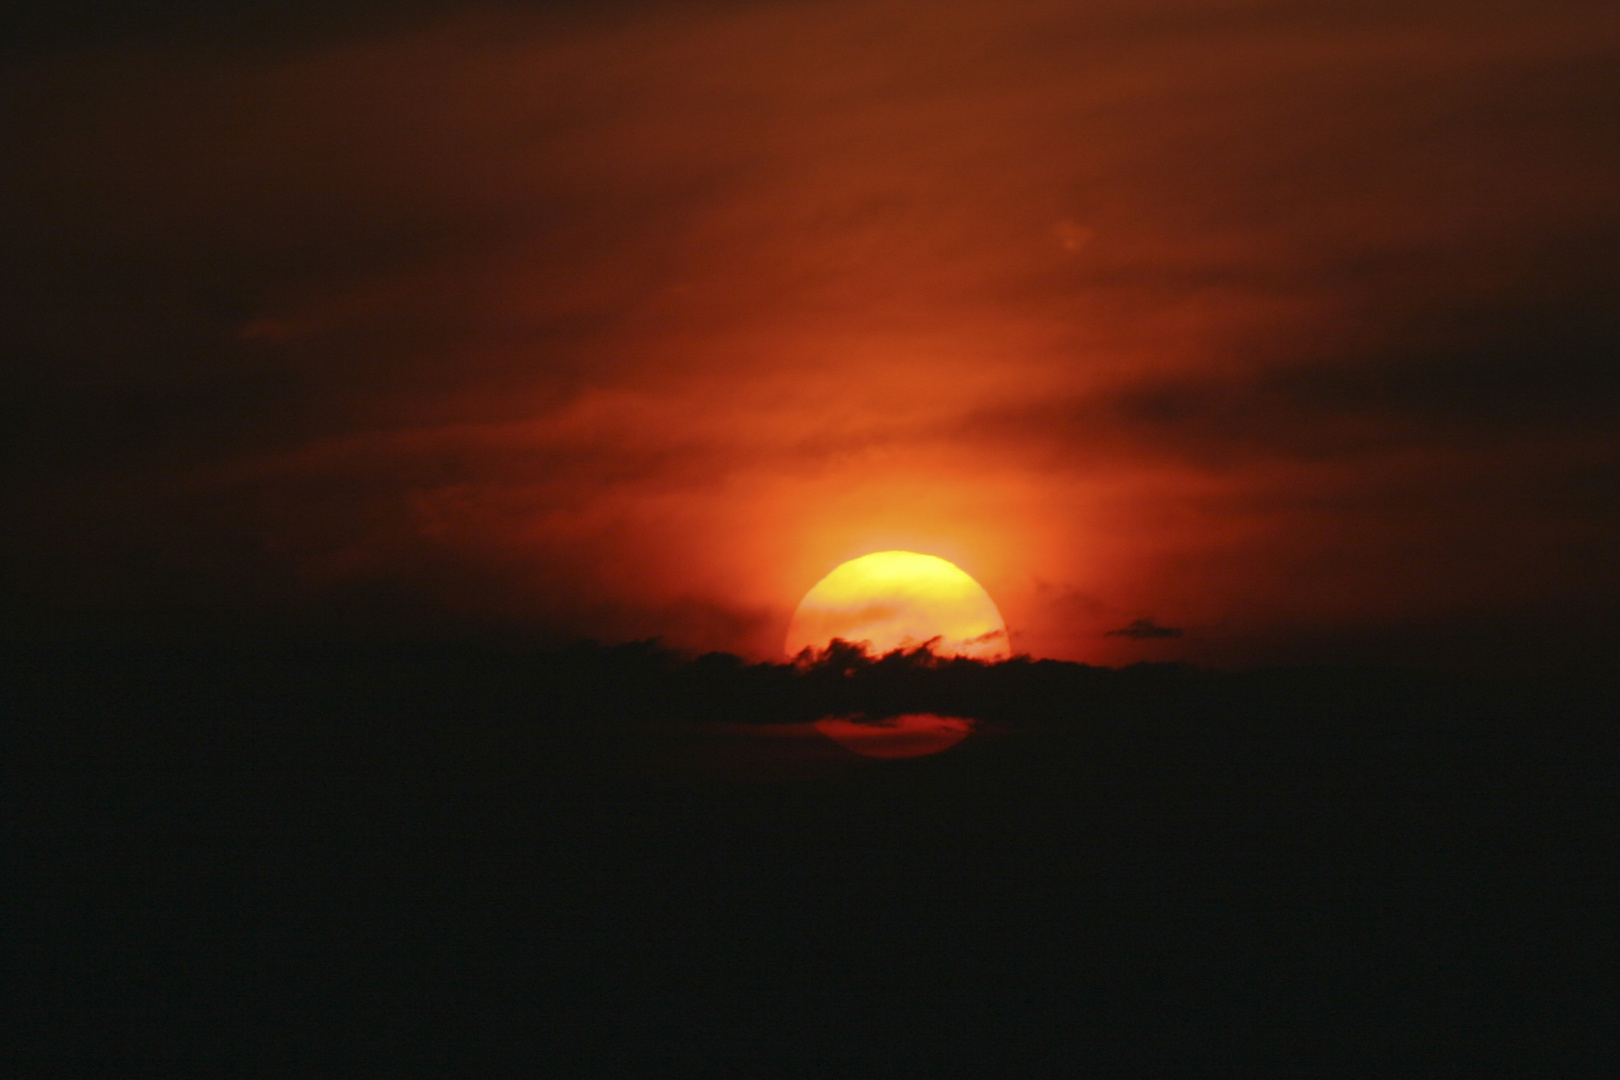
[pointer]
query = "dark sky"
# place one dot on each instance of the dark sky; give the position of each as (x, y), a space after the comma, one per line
(1290, 327)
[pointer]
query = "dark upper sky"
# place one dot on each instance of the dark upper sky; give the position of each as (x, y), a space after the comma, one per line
(1290, 327)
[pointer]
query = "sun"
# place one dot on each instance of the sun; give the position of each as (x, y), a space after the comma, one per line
(899, 600)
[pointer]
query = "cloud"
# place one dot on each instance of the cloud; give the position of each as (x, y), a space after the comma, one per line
(640, 322)
(1146, 629)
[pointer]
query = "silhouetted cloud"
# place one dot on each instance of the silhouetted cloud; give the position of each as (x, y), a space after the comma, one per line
(1146, 628)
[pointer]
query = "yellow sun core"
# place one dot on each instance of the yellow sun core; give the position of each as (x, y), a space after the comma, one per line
(900, 600)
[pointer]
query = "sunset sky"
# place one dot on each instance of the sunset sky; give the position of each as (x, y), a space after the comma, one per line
(1233, 332)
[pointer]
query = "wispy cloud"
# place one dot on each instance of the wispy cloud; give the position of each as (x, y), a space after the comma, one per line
(1145, 630)
(1300, 312)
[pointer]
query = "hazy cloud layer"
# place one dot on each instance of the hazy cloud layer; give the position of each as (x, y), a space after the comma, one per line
(1278, 320)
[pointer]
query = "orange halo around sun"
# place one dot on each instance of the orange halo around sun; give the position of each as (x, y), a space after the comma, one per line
(899, 600)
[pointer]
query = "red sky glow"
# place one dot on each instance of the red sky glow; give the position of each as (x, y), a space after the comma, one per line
(1289, 329)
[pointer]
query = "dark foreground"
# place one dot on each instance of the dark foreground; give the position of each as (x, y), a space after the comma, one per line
(441, 863)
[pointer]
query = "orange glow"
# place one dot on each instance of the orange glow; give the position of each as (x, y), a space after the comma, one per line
(896, 600)
(635, 327)
(911, 735)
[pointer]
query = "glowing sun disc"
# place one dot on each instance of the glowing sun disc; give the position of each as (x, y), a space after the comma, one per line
(899, 600)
